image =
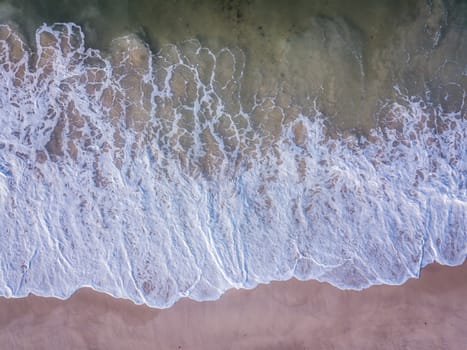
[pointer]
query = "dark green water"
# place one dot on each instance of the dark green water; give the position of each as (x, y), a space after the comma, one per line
(347, 54)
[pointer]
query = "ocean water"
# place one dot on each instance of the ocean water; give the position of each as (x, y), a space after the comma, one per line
(157, 150)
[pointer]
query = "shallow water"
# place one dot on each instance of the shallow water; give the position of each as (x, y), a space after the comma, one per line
(154, 151)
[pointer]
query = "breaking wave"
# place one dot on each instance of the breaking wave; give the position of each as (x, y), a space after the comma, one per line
(142, 175)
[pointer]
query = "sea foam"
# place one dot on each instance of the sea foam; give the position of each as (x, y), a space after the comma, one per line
(142, 175)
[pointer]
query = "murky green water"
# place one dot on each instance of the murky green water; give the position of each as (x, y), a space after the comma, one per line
(345, 56)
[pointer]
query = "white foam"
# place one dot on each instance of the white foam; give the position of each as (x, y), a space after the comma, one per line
(132, 199)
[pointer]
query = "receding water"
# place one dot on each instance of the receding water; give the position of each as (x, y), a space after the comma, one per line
(160, 149)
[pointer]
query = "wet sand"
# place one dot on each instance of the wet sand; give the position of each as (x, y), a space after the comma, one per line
(429, 313)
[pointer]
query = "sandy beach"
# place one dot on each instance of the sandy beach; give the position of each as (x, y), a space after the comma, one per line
(429, 313)
(155, 149)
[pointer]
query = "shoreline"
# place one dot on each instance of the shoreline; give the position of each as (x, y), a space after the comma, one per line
(93, 290)
(423, 313)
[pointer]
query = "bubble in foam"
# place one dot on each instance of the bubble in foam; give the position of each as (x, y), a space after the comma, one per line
(142, 175)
